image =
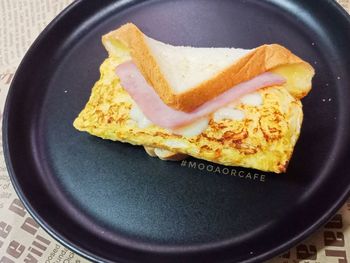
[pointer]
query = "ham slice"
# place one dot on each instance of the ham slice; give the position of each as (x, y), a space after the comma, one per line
(164, 116)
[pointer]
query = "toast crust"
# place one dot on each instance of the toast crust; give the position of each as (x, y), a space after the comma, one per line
(261, 59)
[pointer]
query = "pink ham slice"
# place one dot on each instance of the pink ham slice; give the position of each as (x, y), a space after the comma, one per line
(164, 116)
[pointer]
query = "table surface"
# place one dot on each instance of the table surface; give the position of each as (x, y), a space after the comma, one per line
(22, 239)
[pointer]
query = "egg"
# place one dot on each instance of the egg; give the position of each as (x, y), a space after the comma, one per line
(260, 132)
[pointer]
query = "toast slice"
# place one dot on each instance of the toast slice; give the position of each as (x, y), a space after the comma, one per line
(187, 77)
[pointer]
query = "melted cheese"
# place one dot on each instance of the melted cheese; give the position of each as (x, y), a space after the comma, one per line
(193, 129)
(137, 115)
(228, 113)
(252, 99)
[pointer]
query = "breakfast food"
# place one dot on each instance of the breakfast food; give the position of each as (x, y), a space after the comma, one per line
(230, 106)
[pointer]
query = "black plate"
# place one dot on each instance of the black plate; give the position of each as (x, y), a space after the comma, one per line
(111, 202)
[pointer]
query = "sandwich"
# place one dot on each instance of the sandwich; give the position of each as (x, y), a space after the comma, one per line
(231, 106)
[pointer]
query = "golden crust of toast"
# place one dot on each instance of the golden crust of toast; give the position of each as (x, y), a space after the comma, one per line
(262, 59)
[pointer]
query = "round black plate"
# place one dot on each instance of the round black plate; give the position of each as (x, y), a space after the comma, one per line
(111, 202)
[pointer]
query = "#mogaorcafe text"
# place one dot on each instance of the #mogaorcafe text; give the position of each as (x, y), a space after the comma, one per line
(224, 170)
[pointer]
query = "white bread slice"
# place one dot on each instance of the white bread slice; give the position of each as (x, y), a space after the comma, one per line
(186, 77)
(188, 67)
(150, 151)
(164, 154)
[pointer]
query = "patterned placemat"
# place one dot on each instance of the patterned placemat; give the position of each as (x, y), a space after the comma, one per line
(21, 238)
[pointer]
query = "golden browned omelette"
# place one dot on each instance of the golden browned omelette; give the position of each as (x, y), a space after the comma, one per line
(262, 135)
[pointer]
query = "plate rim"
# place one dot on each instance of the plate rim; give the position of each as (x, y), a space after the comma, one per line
(5, 142)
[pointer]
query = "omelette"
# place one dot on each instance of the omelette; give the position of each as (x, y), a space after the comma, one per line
(262, 136)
